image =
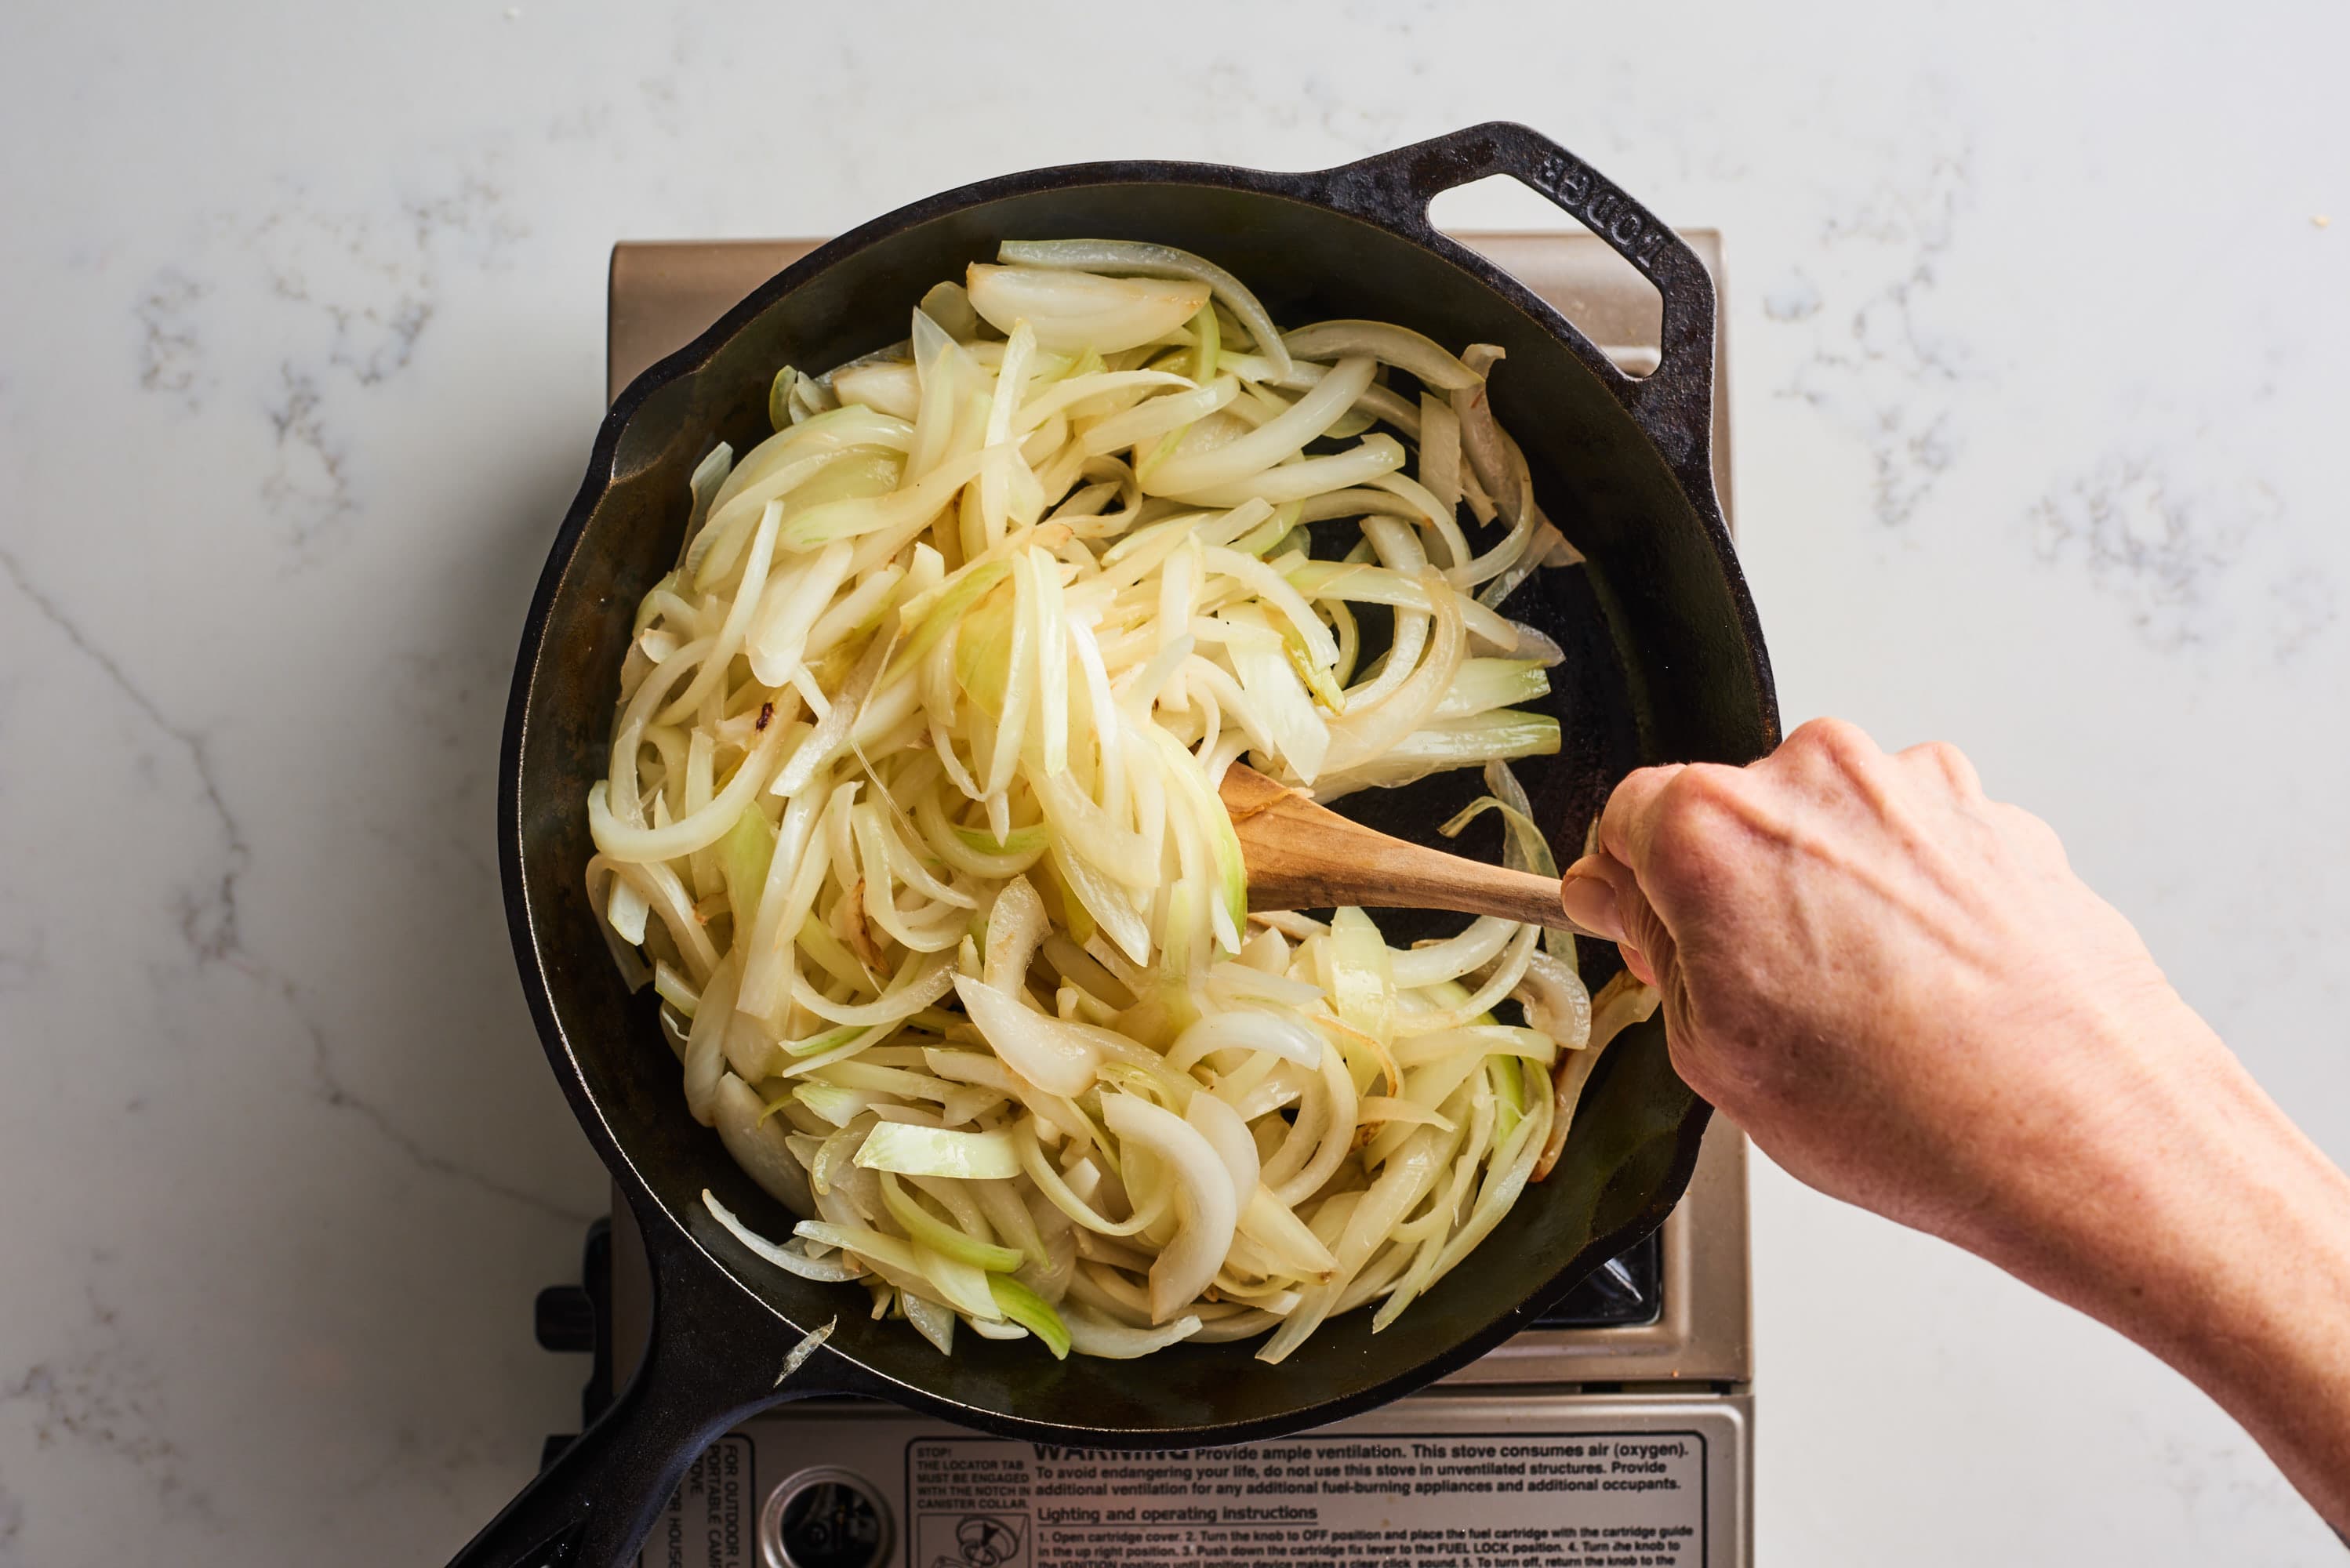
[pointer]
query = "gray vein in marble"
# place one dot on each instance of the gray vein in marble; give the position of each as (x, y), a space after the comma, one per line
(338, 1095)
(103, 1394)
(2168, 554)
(208, 922)
(337, 304)
(207, 916)
(1883, 370)
(309, 486)
(1240, 98)
(170, 356)
(2150, 547)
(11, 1527)
(406, 323)
(2304, 607)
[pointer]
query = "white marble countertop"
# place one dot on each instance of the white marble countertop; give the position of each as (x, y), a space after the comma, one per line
(2038, 339)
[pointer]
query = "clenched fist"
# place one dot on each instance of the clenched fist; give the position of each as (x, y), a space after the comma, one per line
(1898, 988)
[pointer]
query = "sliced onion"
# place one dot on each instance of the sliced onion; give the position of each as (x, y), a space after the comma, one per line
(1446, 743)
(1139, 259)
(705, 1046)
(1272, 442)
(1394, 1112)
(1205, 1201)
(1282, 1034)
(939, 1151)
(931, 1321)
(1015, 924)
(952, 762)
(1093, 1334)
(697, 831)
(1292, 1244)
(1555, 1000)
(823, 1271)
(1057, 1057)
(1221, 1125)
(1072, 311)
(1473, 949)
(760, 1146)
(1390, 345)
(925, 978)
(1309, 476)
(886, 386)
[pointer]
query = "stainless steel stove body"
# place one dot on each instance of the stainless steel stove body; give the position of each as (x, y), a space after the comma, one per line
(1617, 1434)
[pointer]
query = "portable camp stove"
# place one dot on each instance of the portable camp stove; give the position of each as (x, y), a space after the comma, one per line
(1617, 1433)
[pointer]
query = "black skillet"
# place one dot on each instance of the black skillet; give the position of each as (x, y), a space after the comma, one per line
(1664, 661)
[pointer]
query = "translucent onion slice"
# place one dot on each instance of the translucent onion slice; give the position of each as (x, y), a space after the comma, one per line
(886, 386)
(940, 1151)
(1309, 476)
(1065, 397)
(1506, 735)
(1289, 1241)
(760, 1145)
(696, 831)
(1555, 1000)
(1033, 1313)
(1407, 351)
(1091, 1334)
(1071, 312)
(1057, 1057)
(936, 1234)
(1275, 440)
(1282, 1034)
(931, 1321)
(1473, 949)
(705, 1046)
(823, 1271)
(1139, 259)
(1229, 1137)
(1205, 1202)
(1621, 1002)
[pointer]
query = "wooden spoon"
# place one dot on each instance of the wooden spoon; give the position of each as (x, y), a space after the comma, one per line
(1305, 857)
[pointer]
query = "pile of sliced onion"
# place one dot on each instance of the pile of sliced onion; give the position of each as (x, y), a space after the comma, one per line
(912, 816)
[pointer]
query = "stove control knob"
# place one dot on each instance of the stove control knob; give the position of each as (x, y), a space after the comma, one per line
(564, 1319)
(827, 1518)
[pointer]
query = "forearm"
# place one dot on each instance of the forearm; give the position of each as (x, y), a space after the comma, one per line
(2222, 1246)
(2265, 1330)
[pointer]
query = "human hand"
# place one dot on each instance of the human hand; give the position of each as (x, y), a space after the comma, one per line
(1895, 984)
(1899, 989)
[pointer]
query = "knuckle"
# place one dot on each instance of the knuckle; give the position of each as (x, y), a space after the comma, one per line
(1829, 734)
(1702, 787)
(1835, 739)
(1690, 808)
(1696, 821)
(1946, 760)
(2023, 828)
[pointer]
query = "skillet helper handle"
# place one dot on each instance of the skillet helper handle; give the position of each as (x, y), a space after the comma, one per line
(712, 1362)
(1674, 404)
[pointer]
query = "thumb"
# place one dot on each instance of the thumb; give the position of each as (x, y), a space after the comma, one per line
(1601, 895)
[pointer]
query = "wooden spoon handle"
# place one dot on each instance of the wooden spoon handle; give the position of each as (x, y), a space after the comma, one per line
(1302, 856)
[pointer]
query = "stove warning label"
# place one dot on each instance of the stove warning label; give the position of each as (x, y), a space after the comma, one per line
(708, 1523)
(1577, 1501)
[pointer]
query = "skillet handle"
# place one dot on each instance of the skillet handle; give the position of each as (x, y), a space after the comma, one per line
(1675, 403)
(711, 1363)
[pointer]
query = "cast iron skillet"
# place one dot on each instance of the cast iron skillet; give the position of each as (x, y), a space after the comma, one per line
(1665, 661)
